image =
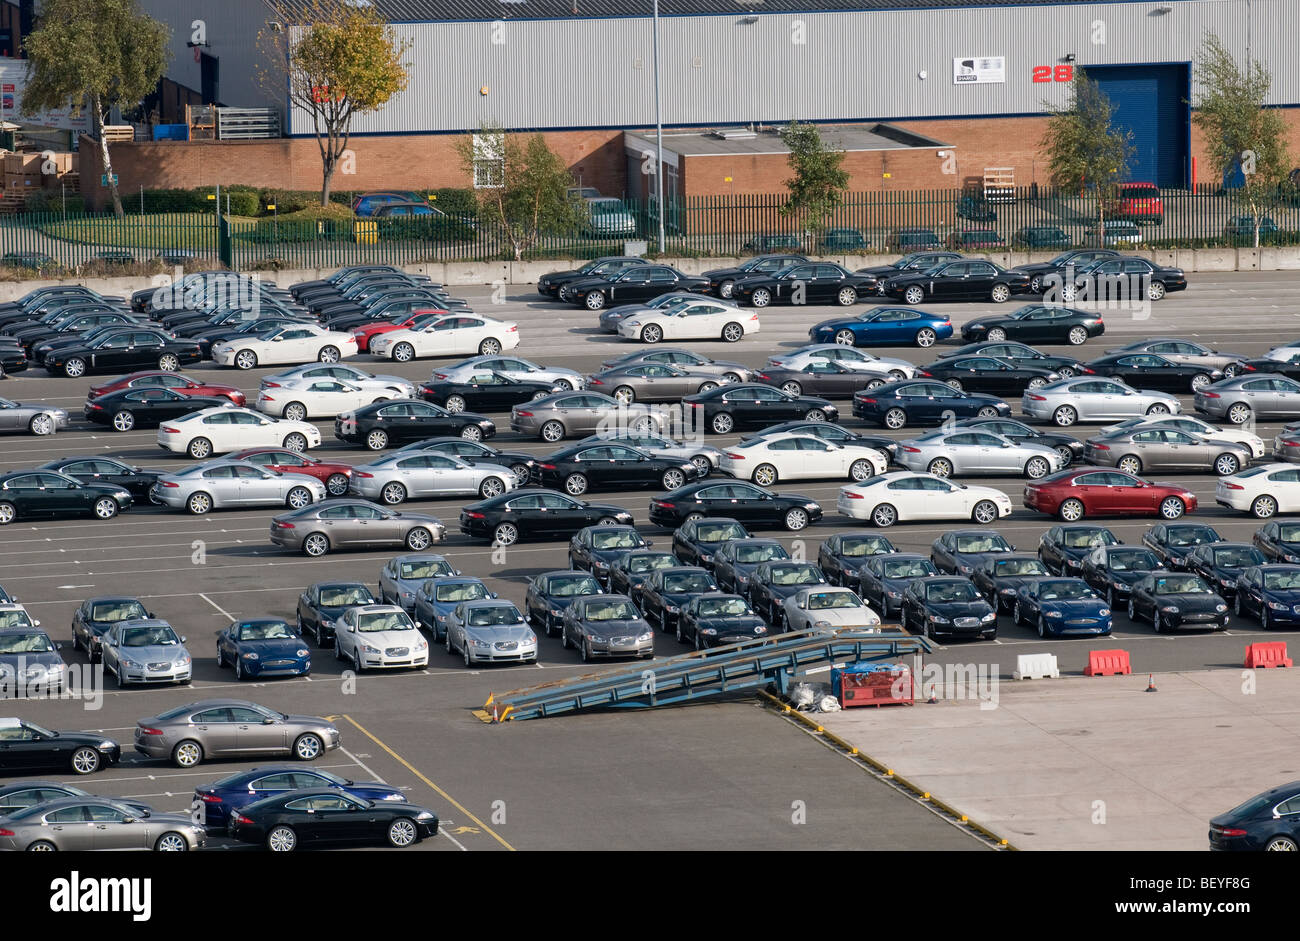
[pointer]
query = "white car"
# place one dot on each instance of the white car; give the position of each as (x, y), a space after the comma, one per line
(792, 456)
(317, 398)
(824, 606)
(1263, 491)
(376, 636)
(1193, 426)
(846, 356)
(392, 387)
(1286, 353)
(457, 334)
(512, 366)
(701, 320)
(907, 495)
(287, 343)
(221, 429)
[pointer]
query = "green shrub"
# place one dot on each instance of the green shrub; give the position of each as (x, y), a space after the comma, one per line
(456, 202)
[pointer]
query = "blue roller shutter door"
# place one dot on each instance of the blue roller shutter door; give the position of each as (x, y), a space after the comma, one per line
(1149, 101)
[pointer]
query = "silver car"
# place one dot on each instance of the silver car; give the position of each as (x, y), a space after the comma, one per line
(848, 356)
(703, 456)
(1094, 399)
(513, 366)
(724, 370)
(226, 728)
(970, 451)
(567, 414)
(606, 626)
(146, 650)
(97, 823)
(1187, 352)
(401, 577)
(405, 475)
(1144, 449)
(353, 524)
(1194, 426)
(1243, 398)
(38, 419)
(227, 484)
(389, 387)
(490, 631)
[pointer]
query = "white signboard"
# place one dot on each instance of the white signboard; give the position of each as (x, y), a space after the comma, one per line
(13, 76)
(979, 70)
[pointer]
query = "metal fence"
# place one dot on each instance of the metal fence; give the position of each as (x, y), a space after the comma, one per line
(866, 223)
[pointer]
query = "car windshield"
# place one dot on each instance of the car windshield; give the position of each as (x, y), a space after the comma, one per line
(1063, 591)
(1181, 585)
(1289, 532)
(426, 568)
(909, 568)
(1020, 567)
(858, 546)
(617, 539)
(1193, 536)
(1132, 560)
(338, 597)
(951, 591)
(149, 637)
(1282, 580)
(749, 555)
(832, 599)
(26, 642)
(611, 611)
(1237, 557)
(795, 575)
(982, 543)
(722, 607)
(265, 630)
(1086, 538)
(495, 616)
(648, 563)
(383, 621)
(688, 582)
(472, 591)
(571, 586)
(719, 532)
(114, 611)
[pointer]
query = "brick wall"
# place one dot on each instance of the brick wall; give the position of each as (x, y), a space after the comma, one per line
(767, 173)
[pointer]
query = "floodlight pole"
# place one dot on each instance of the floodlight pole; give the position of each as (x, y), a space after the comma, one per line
(659, 136)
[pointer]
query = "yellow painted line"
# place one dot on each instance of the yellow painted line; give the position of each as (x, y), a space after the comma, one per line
(447, 797)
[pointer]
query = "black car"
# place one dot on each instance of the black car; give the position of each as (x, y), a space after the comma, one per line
(821, 377)
(924, 402)
(969, 280)
(1122, 278)
(746, 502)
(999, 577)
(474, 452)
(106, 470)
(73, 322)
(772, 582)
(640, 283)
(540, 514)
(127, 409)
(40, 352)
(595, 465)
(841, 555)
(13, 359)
(48, 495)
(913, 261)
(396, 421)
(1061, 268)
(95, 616)
(949, 607)
(1067, 446)
(1290, 368)
(721, 280)
(628, 572)
(751, 405)
(1170, 600)
(990, 375)
(669, 590)
(1066, 367)
(123, 352)
(820, 283)
(21, 795)
(595, 548)
(713, 620)
(550, 593)
(828, 431)
(549, 285)
(492, 391)
(312, 817)
(324, 602)
(1269, 821)
(962, 551)
(1036, 323)
(1063, 548)
(696, 540)
(1038, 237)
(1172, 542)
(1112, 570)
(26, 746)
(1279, 541)
(883, 579)
(735, 561)
(1220, 563)
(1150, 371)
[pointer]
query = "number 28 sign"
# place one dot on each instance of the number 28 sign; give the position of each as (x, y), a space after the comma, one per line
(1053, 73)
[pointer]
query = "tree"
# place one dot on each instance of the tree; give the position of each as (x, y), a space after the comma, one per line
(335, 59)
(819, 182)
(1240, 133)
(521, 186)
(98, 53)
(1083, 149)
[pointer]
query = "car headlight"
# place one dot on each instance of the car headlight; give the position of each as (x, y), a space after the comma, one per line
(251, 656)
(479, 643)
(399, 797)
(1074, 563)
(301, 652)
(673, 609)
(938, 620)
(821, 623)
(894, 594)
(530, 638)
(1228, 582)
(743, 579)
(964, 569)
(1053, 614)
(121, 494)
(1170, 609)
(184, 661)
(1220, 608)
(1276, 606)
(556, 612)
(422, 645)
(106, 745)
(443, 617)
(634, 323)
(709, 632)
(1006, 591)
(366, 648)
(602, 565)
(424, 815)
(991, 616)
(130, 664)
(595, 639)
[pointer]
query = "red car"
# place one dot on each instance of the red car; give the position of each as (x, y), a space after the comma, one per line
(157, 379)
(1102, 491)
(335, 477)
(415, 321)
(1139, 202)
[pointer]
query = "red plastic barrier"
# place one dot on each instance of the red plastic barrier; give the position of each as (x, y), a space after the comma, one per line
(1107, 663)
(1268, 654)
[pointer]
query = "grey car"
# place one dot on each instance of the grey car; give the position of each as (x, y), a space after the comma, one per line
(229, 484)
(1243, 398)
(226, 728)
(1187, 352)
(97, 823)
(1143, 449)
(353, 524)
(606, 626)
(567, 414)
(403, 475)
(490, 631)
(652, 382)
(1091, 398)
(721, 369)
(38, 419)
(970, 451)
(402, 576)
(145, 650)
(703, 456)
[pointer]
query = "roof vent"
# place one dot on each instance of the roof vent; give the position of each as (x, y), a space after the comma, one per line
(734, 133)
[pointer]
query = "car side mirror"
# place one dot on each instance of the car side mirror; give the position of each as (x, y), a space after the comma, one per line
(128, 820)
(649, 543)
(268, 721)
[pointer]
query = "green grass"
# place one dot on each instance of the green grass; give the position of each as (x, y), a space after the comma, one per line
(193, 230)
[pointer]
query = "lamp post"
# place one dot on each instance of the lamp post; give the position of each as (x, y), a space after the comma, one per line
(659, 136)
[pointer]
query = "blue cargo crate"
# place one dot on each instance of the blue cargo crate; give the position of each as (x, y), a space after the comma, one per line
(171, 132)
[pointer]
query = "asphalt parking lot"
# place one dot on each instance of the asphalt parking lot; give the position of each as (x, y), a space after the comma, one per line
(715, 775)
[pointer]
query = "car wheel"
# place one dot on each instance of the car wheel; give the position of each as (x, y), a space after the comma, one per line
(1000, 294)
(245, 359)
(985, 512)
(42, 846)
(594, 301)
(295, 411)
(328, 354)
(860, 470)
(914, 295)
(847, 297)
(74, 368)
(403, 352)
(1158, 623)
(298, 498)
(731, 377)
(1263, 506)
(105, 508)
(296, 442)
(491, 487)
(1036, 383)
(123, 420)
(1071, 510)
(1200, 381)
(187, 754)
(1264, 621)
(239, 670)
(1132, 610)
(625, 394)
(1077, 336)
(1042, 626)
(1239, 414)
(707, 387)
(377, 440)
(723, 423)
(455, 403)
(651, 333)
(875, 384)
(490, 346)
(693, 517)
(940, 467)
(506, 534)
(895, 418)
(1066, 454)
(169, 362)
(316, 545)
(1130, 464)
(955, 384)
(1037, 468)
(199, 503)
(926, 338)
(1230, 371)
(1064, 416)
(724, 289)
(337, 485)
(997, 335)
(308, 747)
(1066, 372)
(796, 519)
(1036, 284)
(402, 832)
(199, 448)
(575, 484)
(1015, 614)
(1110, 597)
(761, 297)
(792, 388)
(884, 516)
(844, 337)
(814, 414)
(1172, 507)
(586, 651)
(85, 761)
(672, 479)
(988, 411)
(1155, 290)
(1158, 408)
(1280, 844)
(1225, 465)
(733, 333)
(419, 539)
(552, 431)
(393, 493)
(282, 840)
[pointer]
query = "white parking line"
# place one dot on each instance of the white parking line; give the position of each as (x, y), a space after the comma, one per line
(217, 606)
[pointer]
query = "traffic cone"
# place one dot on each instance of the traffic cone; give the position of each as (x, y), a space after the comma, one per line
(1151, 684)
(932, 698)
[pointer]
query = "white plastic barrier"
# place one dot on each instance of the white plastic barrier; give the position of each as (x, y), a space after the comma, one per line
(1036, 666)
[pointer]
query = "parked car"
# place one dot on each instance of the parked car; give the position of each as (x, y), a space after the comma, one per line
(696, 540)
(1263, 491)
(841, 555)
(721, 280)
(1173, 600)
(401, 577)
(46, 495)
(551, 592)
(451, 335)
(38, 419)
(1157, 449)
(1061, 607)
(1112, 570)
(379, 636)
(225, 484)
(804, 284)
(606, 626)
(1139, 202)
(566, 414)
(309, 818)
(222, 799)
(882, 579)
(106, 471)
(771, 582)
(1000, 576)
(490, 630)
(959, 281)
(437, 597)
(700, 320)
(884, 326)
(31, 747)
(401, 421)
(116, 826)
(535, 513)
(1037, 323)
(352, 524)
(668, 590)
(904, 495)
(914, 239)
(769, 458)
(735, 561)
(1089, 491)
(947, 606)
(1252, 396)
(632, 284)
(262, 647)
(1270, 593)
(1086, 398)
(730, 407)
(211, 431)
(715, 620)
(925, 402)
(550, 285)
(1268, 821)
(827, 608)
(595, 548)
(1039, 237)
(1114, 232)
(1059, 271)
(972, 451)
(320, 605)
(1173, 542)
(989, 375)
(95, 616)
(977, 240)
(145, 650)
(1220, 564)
(741, 501)
(963, 551)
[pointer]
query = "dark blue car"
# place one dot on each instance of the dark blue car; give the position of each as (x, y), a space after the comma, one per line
(1268, 821)
(1061, 606)
(1270, 593)
(437, 597)
(923, 402)
(244, 787)
(261, 647)
(884, 326)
